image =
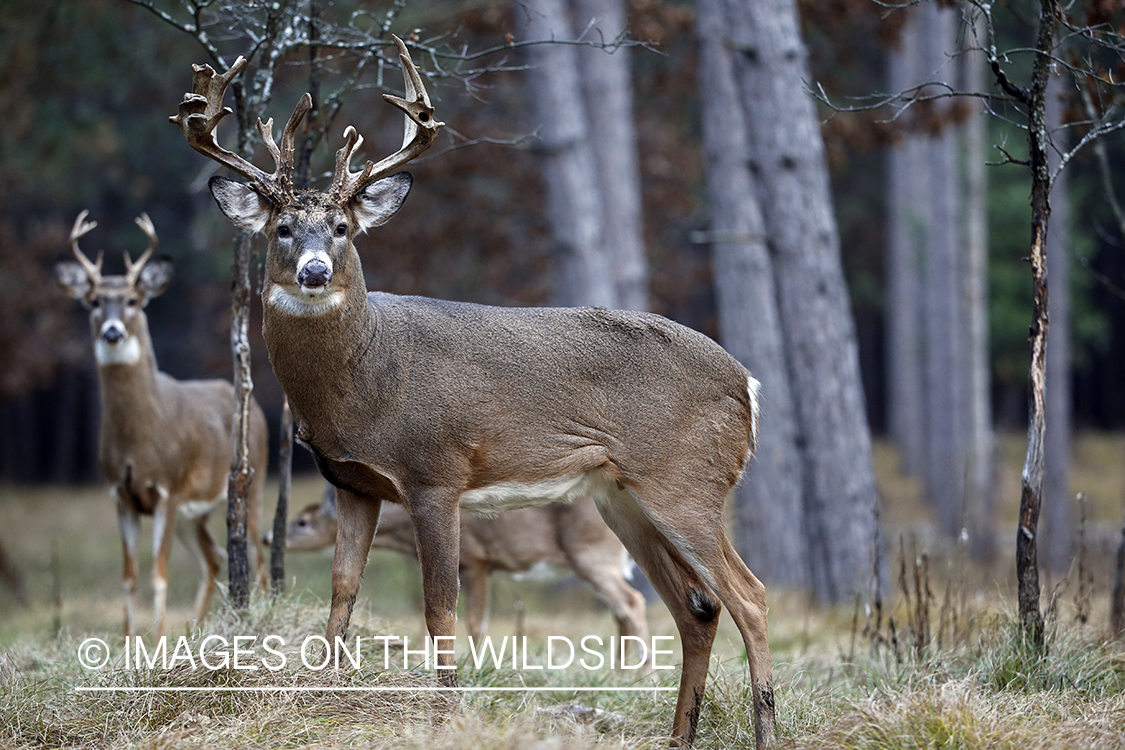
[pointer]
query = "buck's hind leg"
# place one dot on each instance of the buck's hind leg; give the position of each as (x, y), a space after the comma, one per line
(693, 605)
(701, 539)
(358, 516)
(195, 537)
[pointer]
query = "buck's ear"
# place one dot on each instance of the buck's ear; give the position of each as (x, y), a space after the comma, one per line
(241, 203)
(154, 278)
(379, 201)
(73, 280)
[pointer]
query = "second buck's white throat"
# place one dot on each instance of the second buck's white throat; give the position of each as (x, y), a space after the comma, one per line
(127, 352)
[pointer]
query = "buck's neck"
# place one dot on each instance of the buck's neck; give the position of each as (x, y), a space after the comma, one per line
(319, 353)
(127, 379)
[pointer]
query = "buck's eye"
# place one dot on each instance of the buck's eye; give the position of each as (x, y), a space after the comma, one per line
(282, 230)
(342, 230)
(131, 303)
(95, 303)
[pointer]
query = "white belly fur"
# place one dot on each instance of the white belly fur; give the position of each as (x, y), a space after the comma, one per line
(512, 495)
(193, 509)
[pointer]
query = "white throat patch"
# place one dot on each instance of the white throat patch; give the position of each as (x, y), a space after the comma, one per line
(126, 352)
(303, 305)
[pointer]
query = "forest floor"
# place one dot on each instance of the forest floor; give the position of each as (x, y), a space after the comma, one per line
(944, 669)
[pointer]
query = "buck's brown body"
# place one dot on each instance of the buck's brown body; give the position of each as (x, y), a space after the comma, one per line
(442, 405)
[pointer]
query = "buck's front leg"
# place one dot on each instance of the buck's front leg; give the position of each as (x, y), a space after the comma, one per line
(163, 531)
(130, 526)
(437, 528)
(357, 518)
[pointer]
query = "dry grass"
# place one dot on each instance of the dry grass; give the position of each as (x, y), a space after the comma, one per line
(969, 684)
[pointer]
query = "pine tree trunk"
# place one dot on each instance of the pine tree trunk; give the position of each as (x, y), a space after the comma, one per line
(583, 275)
(607, 88)
(769, 509)
(979, 491)
(906, 195)
(787, 153)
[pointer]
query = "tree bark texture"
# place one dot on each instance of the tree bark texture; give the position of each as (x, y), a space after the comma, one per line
(787, 155)
(583, 274)
(607, 88)
(238, 487)
(769, 507)
(1031, 492)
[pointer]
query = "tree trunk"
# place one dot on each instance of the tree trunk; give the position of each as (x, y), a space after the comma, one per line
(906, 227)
(607, 88)
(945, 332)
(769, 508)
(1058, 511)
(582, 271)
(1031, 493)
(238, 488)
(787, 153)
(979, 492)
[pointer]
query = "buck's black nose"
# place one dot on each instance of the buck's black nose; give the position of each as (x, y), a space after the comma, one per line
(113, 335)
(314, 273)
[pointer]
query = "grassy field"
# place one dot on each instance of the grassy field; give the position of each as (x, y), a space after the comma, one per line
(945, 670)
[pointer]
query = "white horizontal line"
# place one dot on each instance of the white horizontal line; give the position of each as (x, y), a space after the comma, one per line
(376, 689)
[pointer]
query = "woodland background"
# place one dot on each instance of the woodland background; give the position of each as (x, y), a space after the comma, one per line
(86, 89)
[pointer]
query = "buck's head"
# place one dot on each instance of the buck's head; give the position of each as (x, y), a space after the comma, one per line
(116, 303)
(311, 258)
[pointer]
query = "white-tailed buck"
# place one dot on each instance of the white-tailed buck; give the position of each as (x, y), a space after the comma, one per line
(165, 445)
(441, 405)
(559, 535)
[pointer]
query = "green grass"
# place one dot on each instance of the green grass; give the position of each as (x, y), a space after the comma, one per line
(974, 684)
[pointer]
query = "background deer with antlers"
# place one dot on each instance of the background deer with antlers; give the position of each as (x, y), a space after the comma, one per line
(164, 445)
(440, 405)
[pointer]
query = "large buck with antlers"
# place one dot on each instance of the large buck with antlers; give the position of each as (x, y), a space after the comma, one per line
(441, 405)
(165, 445)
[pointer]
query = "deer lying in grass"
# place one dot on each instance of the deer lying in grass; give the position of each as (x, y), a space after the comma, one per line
(440, 406)
(164, 445)
(518, 541)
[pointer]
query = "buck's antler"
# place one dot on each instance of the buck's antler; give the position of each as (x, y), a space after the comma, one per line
(201, 111)
(133, 270)
(420, 132)
(81, 228)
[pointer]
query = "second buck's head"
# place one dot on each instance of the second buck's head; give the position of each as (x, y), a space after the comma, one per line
(311, 257)
(116, 303)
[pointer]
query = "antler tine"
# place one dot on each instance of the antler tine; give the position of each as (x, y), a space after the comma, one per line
(283, 156)
(201, 111)
(420, 132)
(81, 228)
(133, 270)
